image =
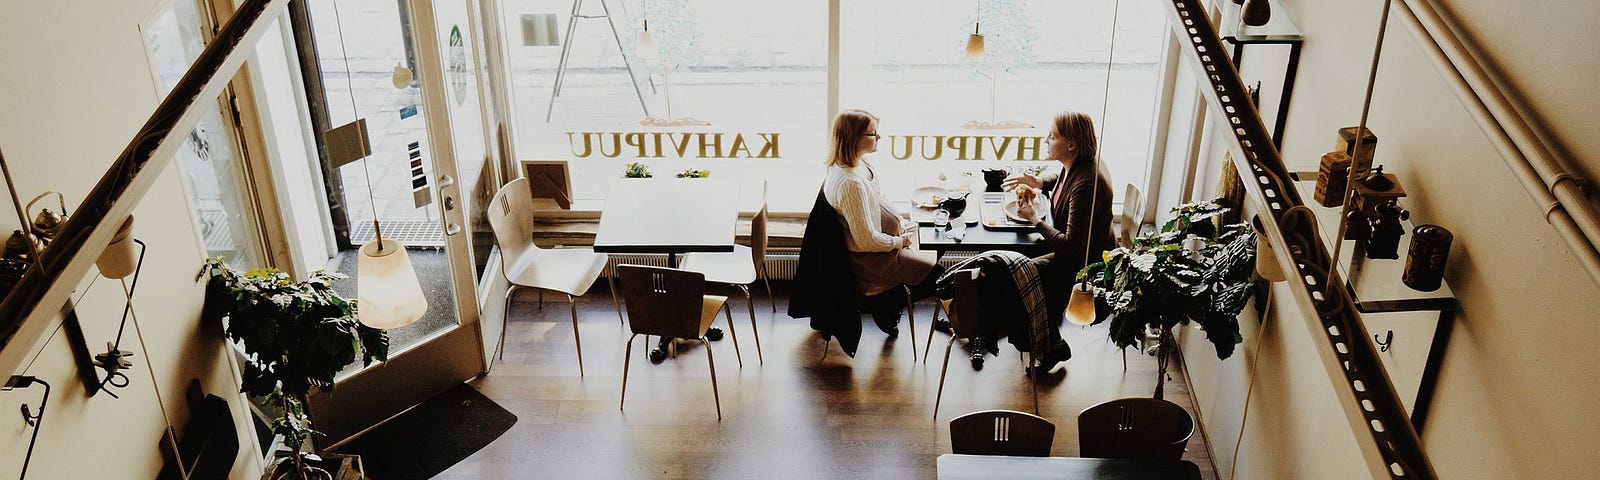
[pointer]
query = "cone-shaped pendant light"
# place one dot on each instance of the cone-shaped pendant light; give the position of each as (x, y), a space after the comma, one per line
(975, 44)
(1080, 307)
(119, 259)
(1266, 258)
(387, 287)
(647, 40)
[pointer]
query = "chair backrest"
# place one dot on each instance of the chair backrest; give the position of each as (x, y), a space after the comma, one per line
(758, 233)
(966, 308)
(511, 218)
(1134, 428)
(1132, 216)
(1001, 432)
(663, 301)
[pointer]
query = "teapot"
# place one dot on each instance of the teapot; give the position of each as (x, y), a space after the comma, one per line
(992, 177)
(955, 203)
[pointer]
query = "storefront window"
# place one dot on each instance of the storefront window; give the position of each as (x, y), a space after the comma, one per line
(740, 87)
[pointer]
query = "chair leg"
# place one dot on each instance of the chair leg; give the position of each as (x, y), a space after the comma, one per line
(505, 322)
(937, 307)
(770, 299)
(1124, 360)
(751, 303)
(612, 282)
(627, 354)
(911, 321)
(942, 371)
(717, 397)
(1035, 385)
(728, 312)
(575, 338)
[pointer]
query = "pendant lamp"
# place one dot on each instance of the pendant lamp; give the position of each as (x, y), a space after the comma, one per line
(647, 40)
(119, 259)
(1080, 306)
(387, 291)
(387, 287)
(975, 44)
(1266, 258)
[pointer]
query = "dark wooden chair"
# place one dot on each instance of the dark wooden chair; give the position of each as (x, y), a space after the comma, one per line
(965, 312)
(1141, 428)
(1001, 432)
(671, 303)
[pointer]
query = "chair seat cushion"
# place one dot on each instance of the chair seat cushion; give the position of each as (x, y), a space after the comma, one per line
(708, 311)
(735, 267)
(567, 270)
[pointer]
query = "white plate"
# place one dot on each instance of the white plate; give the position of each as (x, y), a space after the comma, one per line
(1011, 210)
(928, 197)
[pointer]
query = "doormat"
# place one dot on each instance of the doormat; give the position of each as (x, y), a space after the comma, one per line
(432, 437)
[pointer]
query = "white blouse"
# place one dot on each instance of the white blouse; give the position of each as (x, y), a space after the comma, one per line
(858, 199)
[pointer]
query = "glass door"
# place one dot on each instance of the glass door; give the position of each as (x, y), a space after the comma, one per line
(409, 70)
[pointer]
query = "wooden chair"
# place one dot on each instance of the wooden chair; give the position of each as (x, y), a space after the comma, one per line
(741, 267)
(1131, 218)
(965, 311)
(525, 265)
(671, 303)
(1001, 432)
(1145, 428)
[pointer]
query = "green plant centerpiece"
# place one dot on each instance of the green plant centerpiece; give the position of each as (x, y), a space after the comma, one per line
(1192, 270)
(636, 170)
(295, 336)
(692, 173)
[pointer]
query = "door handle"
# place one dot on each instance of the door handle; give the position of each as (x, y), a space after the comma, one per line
(452, 229)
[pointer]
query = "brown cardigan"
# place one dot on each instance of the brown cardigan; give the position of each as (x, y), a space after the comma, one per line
(1071, 231)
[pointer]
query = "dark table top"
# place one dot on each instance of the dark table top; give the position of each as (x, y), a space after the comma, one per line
(669, 215)
(961, 467)
(980, 239)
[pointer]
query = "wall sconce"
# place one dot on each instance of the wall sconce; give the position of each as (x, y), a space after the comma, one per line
(35, 420)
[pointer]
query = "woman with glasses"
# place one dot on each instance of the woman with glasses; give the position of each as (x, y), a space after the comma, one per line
(882, 254)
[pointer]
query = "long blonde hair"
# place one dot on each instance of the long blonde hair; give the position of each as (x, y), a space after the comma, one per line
(1078, 128)
(848, 128)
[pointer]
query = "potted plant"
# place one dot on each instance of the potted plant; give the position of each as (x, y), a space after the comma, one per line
(295, 336)
(692, 173)
(636, 170)
(1192, 270)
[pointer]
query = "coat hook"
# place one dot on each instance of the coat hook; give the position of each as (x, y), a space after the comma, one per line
(1386, 342)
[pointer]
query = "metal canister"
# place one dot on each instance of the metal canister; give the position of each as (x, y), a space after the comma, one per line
(1430, 248)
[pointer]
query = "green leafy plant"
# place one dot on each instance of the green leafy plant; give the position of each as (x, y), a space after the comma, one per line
(692, 173)
(295, 336)
(636, 170)
(1192, 270)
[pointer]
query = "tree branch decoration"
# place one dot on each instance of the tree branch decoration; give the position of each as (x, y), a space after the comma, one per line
(1009, 35)
(676, 33)
(1192, 270)
(295, 336)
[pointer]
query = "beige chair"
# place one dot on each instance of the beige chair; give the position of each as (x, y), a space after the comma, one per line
(964, 311)
(1145, 428)
(1001, 432)
(525, 265)
(1131, 218)
(741, 267)
(671, 303)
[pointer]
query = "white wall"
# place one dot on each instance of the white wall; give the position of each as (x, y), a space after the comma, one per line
(1515, 392)
(75, 87)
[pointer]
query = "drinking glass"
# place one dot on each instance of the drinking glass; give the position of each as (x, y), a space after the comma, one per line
(941, 219)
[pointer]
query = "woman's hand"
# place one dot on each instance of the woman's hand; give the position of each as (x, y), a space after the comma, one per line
(905, 240)
(1023, 179)
(1027, 213)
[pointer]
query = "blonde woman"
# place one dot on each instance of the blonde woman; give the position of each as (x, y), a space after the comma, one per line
(882, 253)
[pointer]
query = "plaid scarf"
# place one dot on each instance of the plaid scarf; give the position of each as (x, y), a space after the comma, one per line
(1029, 290)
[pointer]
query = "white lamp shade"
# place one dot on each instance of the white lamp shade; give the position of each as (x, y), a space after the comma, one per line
(1080, 307)
(1267, 261)
(974, 46)
(118, 260)
(386, 286)
(647, 43)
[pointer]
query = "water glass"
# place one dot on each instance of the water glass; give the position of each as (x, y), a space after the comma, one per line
(941, 219)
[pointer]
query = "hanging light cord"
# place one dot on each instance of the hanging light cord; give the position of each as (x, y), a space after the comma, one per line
(1261, 340)
(1361, 132)
(1105, 100)
(377, 231)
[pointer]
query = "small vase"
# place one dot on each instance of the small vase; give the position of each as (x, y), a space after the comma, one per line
(1255, 13)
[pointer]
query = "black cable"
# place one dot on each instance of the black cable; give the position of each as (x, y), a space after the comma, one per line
(113, 360)
(34, 420)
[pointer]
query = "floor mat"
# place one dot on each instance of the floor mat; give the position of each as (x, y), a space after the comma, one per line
(426, 440)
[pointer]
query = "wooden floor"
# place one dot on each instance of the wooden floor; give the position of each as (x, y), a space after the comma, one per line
(793, 417)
